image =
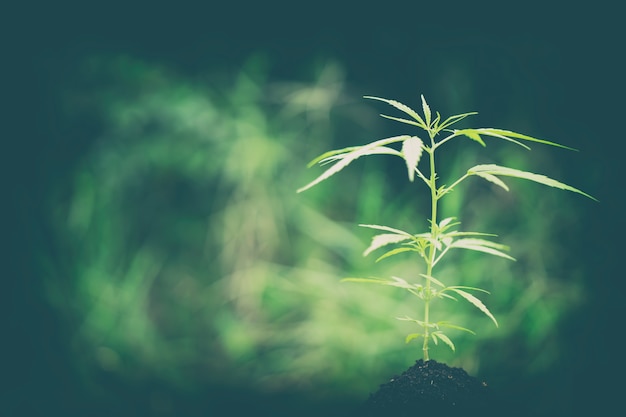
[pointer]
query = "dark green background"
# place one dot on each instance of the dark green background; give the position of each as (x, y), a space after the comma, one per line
(567, 60)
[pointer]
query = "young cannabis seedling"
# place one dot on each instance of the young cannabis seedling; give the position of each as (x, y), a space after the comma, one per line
(444, 234)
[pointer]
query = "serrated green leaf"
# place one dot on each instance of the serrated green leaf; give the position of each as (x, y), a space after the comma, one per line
(475, 302)
(454, 326)
(426, 109)
(489, 132)
(350, 157)
(483, 242)
(481, 245)
(412, 152)
(402, 107)
(381, 150)
(436, 121)
(511, 172)
(395, 252)
(445, 339)
(493, 179)
(387, 229)
(379, 241)
(454, 119)
(464, 287)
(472, 134)
(330, 154)
(412, 336)
(396, 282)
(367, 280)
(401, 120)
(442, 294)
(507, 134)
(445, 222)
(455, 234)
(419, 322)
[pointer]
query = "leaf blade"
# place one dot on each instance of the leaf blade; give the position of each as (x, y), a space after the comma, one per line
(475, 302)
(396, 282)
(510, 134)
(403, 108)
(454, 326)
(472, 134)
(381, 240)
(426, 110)
(412, 152)
(481, 245)
(454, 119)
(493, 179)
(445, 339)
(350, 157)
(494, 169)
(386, 228)
(394, 252)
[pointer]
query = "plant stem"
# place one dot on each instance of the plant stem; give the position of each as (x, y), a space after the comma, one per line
(432, 249)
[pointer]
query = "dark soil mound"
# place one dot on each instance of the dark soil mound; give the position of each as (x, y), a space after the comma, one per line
(429, 387)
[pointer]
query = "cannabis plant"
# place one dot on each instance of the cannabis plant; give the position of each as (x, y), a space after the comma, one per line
(443, 235)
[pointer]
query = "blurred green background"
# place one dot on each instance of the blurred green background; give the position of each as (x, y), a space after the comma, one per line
(161, 263)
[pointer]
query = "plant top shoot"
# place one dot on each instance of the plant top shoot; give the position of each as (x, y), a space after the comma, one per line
(432, 246)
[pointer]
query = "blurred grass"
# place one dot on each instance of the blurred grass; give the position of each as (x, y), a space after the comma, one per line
(188, 256)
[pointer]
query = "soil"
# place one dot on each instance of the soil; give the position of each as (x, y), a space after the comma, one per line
(429, 387)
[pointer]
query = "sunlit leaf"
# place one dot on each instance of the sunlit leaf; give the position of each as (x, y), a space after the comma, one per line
(351, 156)
(493, 179)
(454, 119)
(402, 107)
(401, 120)
(379, 241)
(501, 133)
(511, 172)
(381, 150)
(396, 282)
(436, 121)
(454, 326)
(426, 109)
(407, 318)
(472, 134)
(442, 294)
(445, 339)
(329, 154)
(475, 135)
(395, 252)
(455, 234)
(445, 221)
(464, 287)
(474, 301)
(482, 245)
(387, 229)
(412, 336)
(418, 322)
(412, 151)
(368, 280)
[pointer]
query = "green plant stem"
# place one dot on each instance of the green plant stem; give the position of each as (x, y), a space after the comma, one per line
(432, 249)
